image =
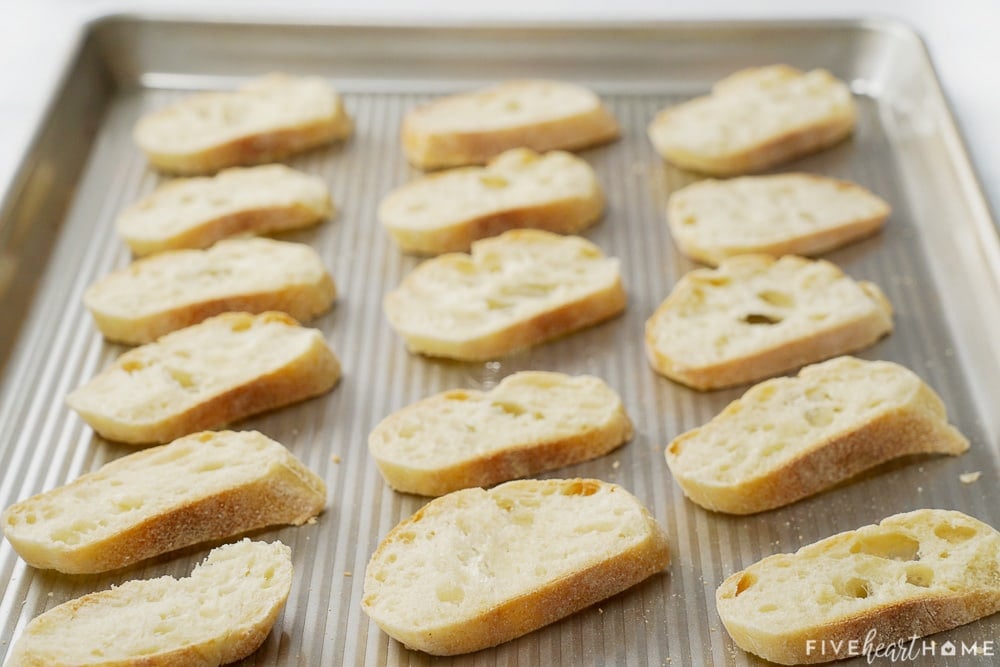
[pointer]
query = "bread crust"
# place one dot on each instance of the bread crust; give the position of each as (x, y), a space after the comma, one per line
(819, 344)
(899, 618)
(589, 309)
(542, 453)
(779, 148)
(251, 221)
(253, 147)
(565, 214)
(918, 426)
(275, 199)
(286, 493)
(808, 245)
(311, 374)
(235, 644)
(303, 296)
(432, 149)
(555, 600)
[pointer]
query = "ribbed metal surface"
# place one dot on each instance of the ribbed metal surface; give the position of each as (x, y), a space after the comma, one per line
(669, 619)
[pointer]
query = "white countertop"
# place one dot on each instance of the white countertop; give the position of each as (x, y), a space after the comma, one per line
(36, 35)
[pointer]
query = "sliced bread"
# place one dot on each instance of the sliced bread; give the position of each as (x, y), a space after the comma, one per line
(222, 613)
(474, 127)
(178, 288)
(476, 568)
(530, 423)
(228, 367)
(197, 212)
(205, 486)
(785, 214)
(265, 120)
(791, 437)
(446, 212)
(756, 316)
(755, 119)
(911, 575)
(515, 290)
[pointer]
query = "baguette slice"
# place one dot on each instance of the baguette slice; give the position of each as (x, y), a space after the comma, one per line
(474, 127)
(178, 288)
(228, 367)
(911, 575)
(446, 212)
(756, 119)
(785, 214)
(220, 614)
(197, 212)
(263, 121)
(476, 568)
(518, 289)
(205, 486)
(756, 316)
(530, 423)
(789, 438)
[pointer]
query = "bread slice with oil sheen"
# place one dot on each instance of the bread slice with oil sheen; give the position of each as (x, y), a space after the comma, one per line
(204, 486)
(477, 568)
(756, 316)
(219, 614)
(475, 127)
(791, 437)
(515, 290)
(175, 289)
(265, 120)
(226, 368)
(197, 212)
(530, 423)
(784, 214)
(911, 575)
(447, 211)
(756, 119)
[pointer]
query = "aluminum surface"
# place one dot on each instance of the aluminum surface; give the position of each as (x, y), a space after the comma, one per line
(938, 260)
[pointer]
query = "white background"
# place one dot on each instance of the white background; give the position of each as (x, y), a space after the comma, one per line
(962, 35)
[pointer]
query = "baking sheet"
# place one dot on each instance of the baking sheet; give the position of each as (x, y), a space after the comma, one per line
(938, 260)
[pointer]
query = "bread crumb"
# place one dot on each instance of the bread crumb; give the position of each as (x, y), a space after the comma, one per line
(970, 477)
(616, 465)
(348, 574)
(335, 458)
(600, 611)
(311, 521)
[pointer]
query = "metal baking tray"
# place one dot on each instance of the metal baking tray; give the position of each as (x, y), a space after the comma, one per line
(938, 260)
